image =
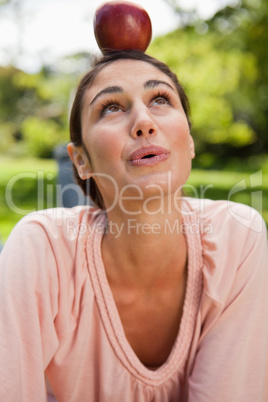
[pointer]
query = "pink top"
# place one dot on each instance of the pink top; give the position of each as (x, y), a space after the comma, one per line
(58, 316)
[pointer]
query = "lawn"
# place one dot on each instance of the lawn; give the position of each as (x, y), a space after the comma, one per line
(30, 184)
(21, 180)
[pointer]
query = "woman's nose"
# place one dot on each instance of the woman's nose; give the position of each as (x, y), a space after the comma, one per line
(143, 124)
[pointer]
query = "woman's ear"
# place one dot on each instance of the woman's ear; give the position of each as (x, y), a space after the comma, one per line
(80, 160)
(192, 149)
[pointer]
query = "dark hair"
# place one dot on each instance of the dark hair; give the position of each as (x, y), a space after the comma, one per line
(89, 186)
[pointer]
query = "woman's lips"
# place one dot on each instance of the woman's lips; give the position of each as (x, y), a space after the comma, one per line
(148, 156)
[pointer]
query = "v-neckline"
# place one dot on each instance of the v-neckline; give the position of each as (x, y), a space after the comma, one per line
(110, 315)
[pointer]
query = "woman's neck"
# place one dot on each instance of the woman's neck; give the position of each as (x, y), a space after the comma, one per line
(144, 250)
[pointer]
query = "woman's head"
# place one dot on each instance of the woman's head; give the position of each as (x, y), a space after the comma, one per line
(88, 185)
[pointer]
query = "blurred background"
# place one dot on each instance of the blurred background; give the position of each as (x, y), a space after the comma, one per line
(218, 48)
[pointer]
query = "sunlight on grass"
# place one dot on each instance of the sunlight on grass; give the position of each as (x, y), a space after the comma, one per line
(21, 175)
(11, 166)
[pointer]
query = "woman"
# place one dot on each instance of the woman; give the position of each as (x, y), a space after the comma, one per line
(150, 296)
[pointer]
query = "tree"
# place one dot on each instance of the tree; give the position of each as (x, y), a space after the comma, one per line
(246, 27)
(34, 109)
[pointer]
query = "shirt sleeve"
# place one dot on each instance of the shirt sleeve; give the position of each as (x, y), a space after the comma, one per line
(231, 360)
(28, 306)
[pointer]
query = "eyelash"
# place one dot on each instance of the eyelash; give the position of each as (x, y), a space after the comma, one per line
(104, 106)
(163, 94)
(109, 102)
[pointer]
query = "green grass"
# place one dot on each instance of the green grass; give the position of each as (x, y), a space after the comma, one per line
(12, 166)
(21, 180)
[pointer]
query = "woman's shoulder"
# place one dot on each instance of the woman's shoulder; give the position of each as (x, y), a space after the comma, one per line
(60, 221)
(233, 241)
(50, 241)
(57, 231)
(223, 217)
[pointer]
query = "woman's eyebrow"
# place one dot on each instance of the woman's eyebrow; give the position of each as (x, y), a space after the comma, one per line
(154, 83)
(116, 89)
(108, 90)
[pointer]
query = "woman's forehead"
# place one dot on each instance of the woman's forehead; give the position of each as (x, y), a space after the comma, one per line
(128, 73)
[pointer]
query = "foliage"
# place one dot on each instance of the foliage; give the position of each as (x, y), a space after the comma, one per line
(246, 26)
(34, 110)
(41, 136)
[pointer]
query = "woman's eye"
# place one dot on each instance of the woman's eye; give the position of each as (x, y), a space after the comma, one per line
(111, 108)
(161, 100)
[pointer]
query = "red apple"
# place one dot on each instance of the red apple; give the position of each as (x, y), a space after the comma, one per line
(122, 25)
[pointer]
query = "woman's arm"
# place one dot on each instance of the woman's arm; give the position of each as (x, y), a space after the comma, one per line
(232, 357)
(27, 311)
